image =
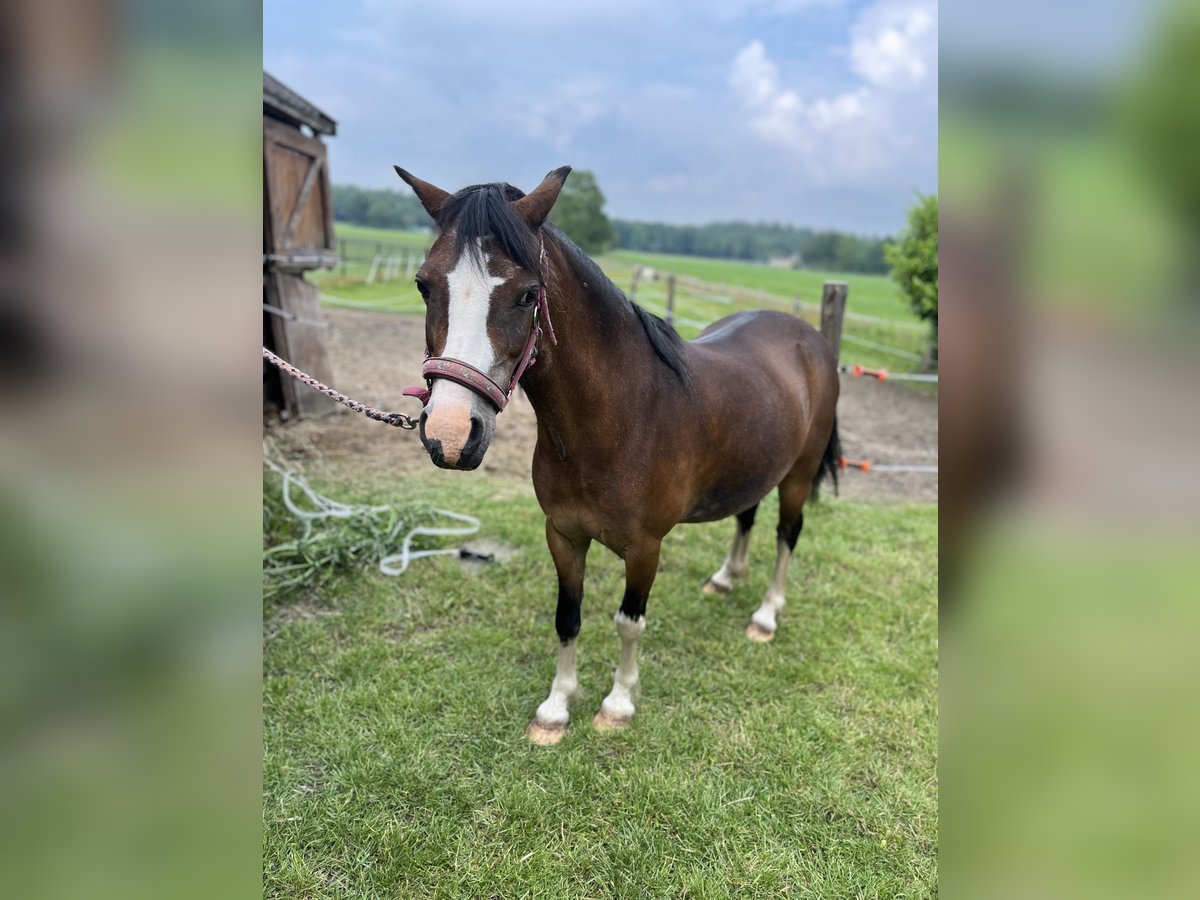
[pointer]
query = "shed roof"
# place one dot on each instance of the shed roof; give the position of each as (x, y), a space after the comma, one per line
(281, 102)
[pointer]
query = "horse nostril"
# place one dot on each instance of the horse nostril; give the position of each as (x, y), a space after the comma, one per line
(432, 447)
(474, 438)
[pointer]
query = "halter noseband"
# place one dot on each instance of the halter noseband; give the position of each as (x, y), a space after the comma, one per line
(468, 376)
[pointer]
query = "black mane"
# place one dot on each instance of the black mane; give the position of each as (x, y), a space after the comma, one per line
(668, 346)
(484, 211)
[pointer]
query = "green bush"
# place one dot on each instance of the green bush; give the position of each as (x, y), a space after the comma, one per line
(580, 213)
(914, 261)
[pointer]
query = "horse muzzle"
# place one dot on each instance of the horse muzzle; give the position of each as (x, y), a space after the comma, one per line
(458, 437)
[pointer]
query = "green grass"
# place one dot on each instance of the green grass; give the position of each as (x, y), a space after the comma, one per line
(420, 239)
(396, 763)
(873, 295)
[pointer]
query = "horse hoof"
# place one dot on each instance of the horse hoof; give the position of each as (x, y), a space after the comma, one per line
(606, 721)
(756, 632)
(545, 735)
(711, 587)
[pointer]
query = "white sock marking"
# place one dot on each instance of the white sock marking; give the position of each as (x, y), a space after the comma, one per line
(774, 601)
(734, 566)
(553, 710)
(619, 702)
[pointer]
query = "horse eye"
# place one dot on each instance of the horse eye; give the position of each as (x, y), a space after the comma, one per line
(528, 298)
(423, 287)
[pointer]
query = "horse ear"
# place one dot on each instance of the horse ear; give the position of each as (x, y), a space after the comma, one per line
(431, 197)
(536, 205)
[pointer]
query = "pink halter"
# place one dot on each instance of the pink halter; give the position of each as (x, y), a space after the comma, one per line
(471, 378)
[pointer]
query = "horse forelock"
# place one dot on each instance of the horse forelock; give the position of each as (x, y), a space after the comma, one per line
(483, 219)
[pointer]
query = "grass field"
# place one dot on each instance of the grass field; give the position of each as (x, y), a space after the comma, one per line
(420, 239)
(874, 295)
(396, 764)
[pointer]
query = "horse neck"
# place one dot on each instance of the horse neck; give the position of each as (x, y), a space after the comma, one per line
(600, 348)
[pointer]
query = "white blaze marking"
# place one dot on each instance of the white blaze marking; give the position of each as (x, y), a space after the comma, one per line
(466, 336)
(553, 710)
(619, 702)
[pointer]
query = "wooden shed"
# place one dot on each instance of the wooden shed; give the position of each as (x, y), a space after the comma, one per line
(297, 236)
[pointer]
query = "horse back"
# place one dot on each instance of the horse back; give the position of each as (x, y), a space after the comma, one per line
(767, 349)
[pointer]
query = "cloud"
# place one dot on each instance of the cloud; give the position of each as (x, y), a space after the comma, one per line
(557, 112)
(779, 116)
(869, 125)
(895, 44)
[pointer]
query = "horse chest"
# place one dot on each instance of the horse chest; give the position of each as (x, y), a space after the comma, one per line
(599, 503)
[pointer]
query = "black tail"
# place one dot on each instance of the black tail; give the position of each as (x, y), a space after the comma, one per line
(829, 463)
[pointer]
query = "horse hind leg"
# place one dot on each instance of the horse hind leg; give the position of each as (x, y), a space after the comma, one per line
(793, 491)
(735, 565)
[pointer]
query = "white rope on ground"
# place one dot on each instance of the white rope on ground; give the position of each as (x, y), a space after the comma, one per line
(407, 555)
(326, 507)
(931, 470)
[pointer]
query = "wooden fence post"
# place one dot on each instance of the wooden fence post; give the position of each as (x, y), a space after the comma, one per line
(833, 310)
(670, 300)
(637, 273)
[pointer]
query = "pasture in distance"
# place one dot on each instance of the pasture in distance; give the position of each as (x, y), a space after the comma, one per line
(874, 296)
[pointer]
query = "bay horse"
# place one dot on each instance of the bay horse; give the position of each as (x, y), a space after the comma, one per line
(637, 430)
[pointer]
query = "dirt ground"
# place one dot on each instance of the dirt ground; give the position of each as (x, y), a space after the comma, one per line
(374, 356)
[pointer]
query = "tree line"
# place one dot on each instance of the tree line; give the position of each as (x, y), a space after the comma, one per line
(756, 241)
(378, 208)
(580, 213)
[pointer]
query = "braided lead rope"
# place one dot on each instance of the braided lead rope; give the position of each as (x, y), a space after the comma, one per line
(399, 420)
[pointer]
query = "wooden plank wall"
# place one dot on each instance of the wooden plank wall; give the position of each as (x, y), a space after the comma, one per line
(299, 205)
(301, 341)
(297, 220)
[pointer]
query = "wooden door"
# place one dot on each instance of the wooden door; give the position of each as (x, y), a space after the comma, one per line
(299, 206)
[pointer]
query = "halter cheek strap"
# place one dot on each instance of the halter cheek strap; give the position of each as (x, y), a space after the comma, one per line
(471, 378)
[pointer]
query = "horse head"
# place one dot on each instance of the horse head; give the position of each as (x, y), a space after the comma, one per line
(483, 283)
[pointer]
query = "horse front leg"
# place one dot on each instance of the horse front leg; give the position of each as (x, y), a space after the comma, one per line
(641, 565)
(570, 556)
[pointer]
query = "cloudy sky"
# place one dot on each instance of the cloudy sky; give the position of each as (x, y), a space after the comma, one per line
(813, 112)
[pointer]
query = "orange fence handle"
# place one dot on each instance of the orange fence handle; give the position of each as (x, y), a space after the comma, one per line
(864, 464)
(858, 371)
